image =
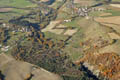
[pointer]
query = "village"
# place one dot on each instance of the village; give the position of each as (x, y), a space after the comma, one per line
(75, 39)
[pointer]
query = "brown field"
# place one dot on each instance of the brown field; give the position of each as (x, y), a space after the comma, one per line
(5, 9)
(110, 20)
(70, 32)
(115, 5)
(84, 2)
(44, 0)
(105, 14)
(114, 36)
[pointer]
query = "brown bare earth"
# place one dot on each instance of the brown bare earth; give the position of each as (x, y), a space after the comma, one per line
(5, 9)
(21, 70)
(83, 2)
(114, 36)
(115, 5)
(50, 27)
(111, 20)
(44, 0)
(70, 32)
(105, 14)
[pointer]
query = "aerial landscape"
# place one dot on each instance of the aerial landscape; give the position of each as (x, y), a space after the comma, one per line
(59, 39)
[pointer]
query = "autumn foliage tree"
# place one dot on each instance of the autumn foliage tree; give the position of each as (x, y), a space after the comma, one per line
(3, 35)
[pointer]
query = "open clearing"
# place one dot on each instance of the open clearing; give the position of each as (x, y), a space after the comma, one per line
(50, 27)
(70, 32)
(110, 20)
(115, 5)
(15, 3)
(14, 8)
(84, 2)
(114, 36)
(105, 14)
(57, 28)
(5, 9)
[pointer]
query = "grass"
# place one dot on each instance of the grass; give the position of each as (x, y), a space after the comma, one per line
(95, 14)
(57, 4)
(62, 15)
(7, 16)
(55, 37)
(72, 23)
(15, 3)
(15, 12)
(114, 12)
(73, 47)
(15, 37)
(115, 0)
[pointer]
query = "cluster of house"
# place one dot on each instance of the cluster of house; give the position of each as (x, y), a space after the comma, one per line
(22, 29)
(4, 48)
(16, 29)
(83, 10)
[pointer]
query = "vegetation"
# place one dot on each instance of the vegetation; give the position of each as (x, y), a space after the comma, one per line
(53, 52)
(15, 3)
(4, 35)
(45, 53)
(114, 12)
(1, 76)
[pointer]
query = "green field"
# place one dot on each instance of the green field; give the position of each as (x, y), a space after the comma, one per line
(15, 3)
(17, 8)
(114, 12)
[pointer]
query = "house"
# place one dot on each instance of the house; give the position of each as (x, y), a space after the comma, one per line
(6, 25)
(0, 45)
(68, 20)
(5, 48)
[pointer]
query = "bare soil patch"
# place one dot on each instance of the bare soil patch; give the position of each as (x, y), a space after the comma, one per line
(115, 5)
(105, 14)
(51, 26)
(70, 32)
(84, 2)
(111, 20)
(114, 36)
(5, 9)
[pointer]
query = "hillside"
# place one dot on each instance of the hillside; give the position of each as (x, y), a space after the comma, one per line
(23, 70)
(60, 39)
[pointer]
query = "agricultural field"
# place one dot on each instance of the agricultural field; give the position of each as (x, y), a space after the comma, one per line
(13, 8)
(15, 3)
(75, 39)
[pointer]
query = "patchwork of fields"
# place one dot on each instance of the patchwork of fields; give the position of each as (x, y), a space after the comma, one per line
(60, 26)
(13, 8)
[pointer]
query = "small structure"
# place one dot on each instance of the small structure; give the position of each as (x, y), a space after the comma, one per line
(5, 48)
(68, 20)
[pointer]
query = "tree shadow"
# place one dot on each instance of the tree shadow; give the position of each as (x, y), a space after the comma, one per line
(2, 77)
